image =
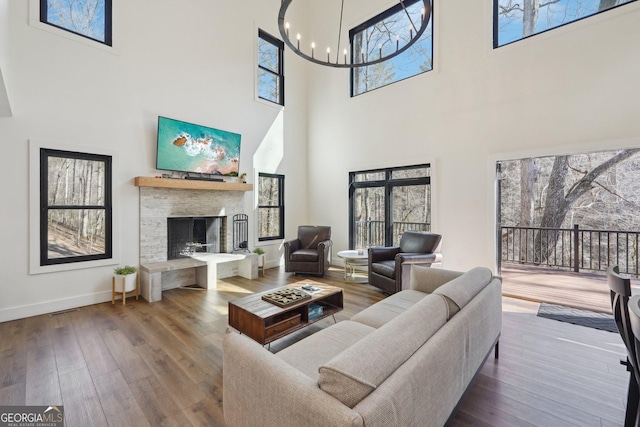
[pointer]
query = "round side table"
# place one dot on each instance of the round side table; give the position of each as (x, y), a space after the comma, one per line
(352, 259)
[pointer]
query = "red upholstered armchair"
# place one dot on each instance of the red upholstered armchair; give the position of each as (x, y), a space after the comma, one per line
(310, 253)
(390, 266)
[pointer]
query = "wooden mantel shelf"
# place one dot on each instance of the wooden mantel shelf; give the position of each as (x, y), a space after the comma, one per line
(190, 184)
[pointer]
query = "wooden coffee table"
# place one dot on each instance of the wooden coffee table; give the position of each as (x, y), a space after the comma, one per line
(265, 322)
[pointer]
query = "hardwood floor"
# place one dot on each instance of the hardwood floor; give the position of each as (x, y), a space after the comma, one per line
(160, 364)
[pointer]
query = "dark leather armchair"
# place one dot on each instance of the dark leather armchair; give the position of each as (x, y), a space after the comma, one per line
(310, 253)
(390, 266)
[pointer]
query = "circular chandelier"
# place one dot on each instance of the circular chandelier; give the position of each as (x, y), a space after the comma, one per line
(349, 61)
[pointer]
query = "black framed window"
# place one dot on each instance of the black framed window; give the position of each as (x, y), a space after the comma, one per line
(384, 203)
(86, 18)
(270, 68)
(270, 206)
(515, 20)
(381, 35)
(75, 207)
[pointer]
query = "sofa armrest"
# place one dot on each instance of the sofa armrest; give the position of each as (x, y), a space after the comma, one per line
(261, 389)
(426, 279)
(324, 253)
(411, 258)
(379, 253)
(290, 246)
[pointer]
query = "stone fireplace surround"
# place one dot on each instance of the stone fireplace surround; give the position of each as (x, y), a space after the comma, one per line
(158, 204)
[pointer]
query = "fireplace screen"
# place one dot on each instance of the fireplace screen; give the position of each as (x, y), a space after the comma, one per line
(190, 235)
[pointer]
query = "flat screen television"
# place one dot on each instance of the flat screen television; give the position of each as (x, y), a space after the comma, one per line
(187, 147)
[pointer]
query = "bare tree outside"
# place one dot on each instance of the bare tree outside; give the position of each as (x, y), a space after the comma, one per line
(268, 71)
(383, 38)
(597, 191)
(86, 17)
(269, 206)
(517, 19)
(74, 229)
(408, 206)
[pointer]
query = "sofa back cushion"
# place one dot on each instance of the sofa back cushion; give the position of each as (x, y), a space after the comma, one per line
(459, 291)
(356, 372)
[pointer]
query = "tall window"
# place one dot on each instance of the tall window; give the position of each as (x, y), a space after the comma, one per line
(270, 206)
(270, 68)
(75, 207)
(384, 33)
(515, 20)
(87, 18)
(384, 203)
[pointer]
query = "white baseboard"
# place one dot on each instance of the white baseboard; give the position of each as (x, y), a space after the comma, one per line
(14, 313)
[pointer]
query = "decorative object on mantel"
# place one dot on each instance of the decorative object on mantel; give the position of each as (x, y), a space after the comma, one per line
(243, 178)
(402, 42)
(124, 280)
(240, 233)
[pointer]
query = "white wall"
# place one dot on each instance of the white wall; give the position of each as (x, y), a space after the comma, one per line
(193, 61)
(5, 106)
(569, 90)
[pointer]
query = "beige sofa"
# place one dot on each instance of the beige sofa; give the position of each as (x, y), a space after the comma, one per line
(405, 361)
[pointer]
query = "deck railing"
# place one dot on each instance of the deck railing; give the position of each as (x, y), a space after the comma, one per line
(576, 249)
(371, 233)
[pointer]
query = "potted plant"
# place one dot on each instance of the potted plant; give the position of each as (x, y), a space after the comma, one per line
(260, 253)
(124, 280)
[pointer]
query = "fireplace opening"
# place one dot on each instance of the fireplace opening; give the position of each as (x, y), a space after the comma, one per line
(189, 235)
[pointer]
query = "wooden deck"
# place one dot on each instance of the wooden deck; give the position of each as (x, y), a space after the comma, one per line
(579, 290)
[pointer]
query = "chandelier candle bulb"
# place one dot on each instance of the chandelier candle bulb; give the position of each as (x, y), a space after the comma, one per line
(298, 37)
(380, 50)
(313, 47)
(345, 56)
(328, 53)
(287, 27)
(397, 42)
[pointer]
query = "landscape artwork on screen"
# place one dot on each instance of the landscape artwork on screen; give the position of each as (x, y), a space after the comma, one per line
(187, 147)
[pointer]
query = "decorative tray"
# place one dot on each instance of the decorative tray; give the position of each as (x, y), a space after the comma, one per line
(285, 297)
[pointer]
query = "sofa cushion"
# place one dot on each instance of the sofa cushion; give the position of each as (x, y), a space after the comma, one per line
(386, 268)
(357, 371)
(461, 290)
(389, 308)
(304, 255)
(309, 354)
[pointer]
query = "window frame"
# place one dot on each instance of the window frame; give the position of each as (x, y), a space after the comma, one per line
(108, 23)
(44, 207)
(369, 23)
(280, 206)
(388, 183)
(496, 17)
(279, 45)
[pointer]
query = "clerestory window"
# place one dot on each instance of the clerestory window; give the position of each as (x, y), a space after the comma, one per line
(515, 20)
(381, 35)
(270, 68)
(86, 18)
